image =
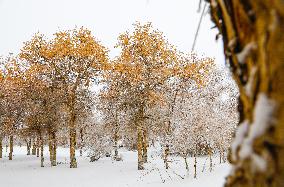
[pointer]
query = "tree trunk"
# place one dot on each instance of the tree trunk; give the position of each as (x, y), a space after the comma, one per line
(73, 162)
(29, 146)
(186, 165)
(81, 142)
(1, 147)
(145, 146)
(115, 144)
(34, 147)
(37, 147)
(140, 148)
(52, 147)
(253, 39)
(195, 165)
(11, 147)
(166, 156)
(41, 151)
(210, 160)
(167, 147)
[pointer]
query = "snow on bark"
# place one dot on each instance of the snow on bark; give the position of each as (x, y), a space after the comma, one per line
(262, 121)
(240, 134)
(248, 86)
(245, 52)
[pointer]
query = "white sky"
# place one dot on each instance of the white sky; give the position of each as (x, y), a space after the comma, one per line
(177, 19)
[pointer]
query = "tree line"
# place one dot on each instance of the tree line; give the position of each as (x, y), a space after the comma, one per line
(150, 95)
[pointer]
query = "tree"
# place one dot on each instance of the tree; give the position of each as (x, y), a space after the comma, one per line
(252, 33)
(146, 60)
(73, 58)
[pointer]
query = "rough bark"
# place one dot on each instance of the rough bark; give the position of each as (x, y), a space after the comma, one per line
(252, 33)
(11, 147)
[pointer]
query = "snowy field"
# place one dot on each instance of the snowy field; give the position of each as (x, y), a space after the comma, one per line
(25, 171)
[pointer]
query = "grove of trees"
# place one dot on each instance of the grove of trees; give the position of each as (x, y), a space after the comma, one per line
(150, 95)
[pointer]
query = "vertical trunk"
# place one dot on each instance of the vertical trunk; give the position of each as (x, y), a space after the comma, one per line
(167, 147)
(81, 142)
(195, 165)
(50, 148)
(220, 157)
(145, 146)
(11, 147)
(166, 155)
(1, 147)
(37, 147)
(73, 162)
(41, 151)
(53, 147)
(29, 143)
(140, 149)
(34, 147)
(253, 39)
(210, 159)
(115, 144)
(28, 148)
(186, 165)
(72, 128)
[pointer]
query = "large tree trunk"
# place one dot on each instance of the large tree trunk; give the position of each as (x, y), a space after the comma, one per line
(252, 32)
(11, 147)
(29, 142)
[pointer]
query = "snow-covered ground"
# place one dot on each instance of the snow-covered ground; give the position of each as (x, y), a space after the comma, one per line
(25, 170)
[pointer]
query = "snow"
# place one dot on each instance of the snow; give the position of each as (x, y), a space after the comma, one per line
(263, 113)
(245, 52)
(262, 116)
(25, 170)
(248, 86)
(240, 134)
(258, 162)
